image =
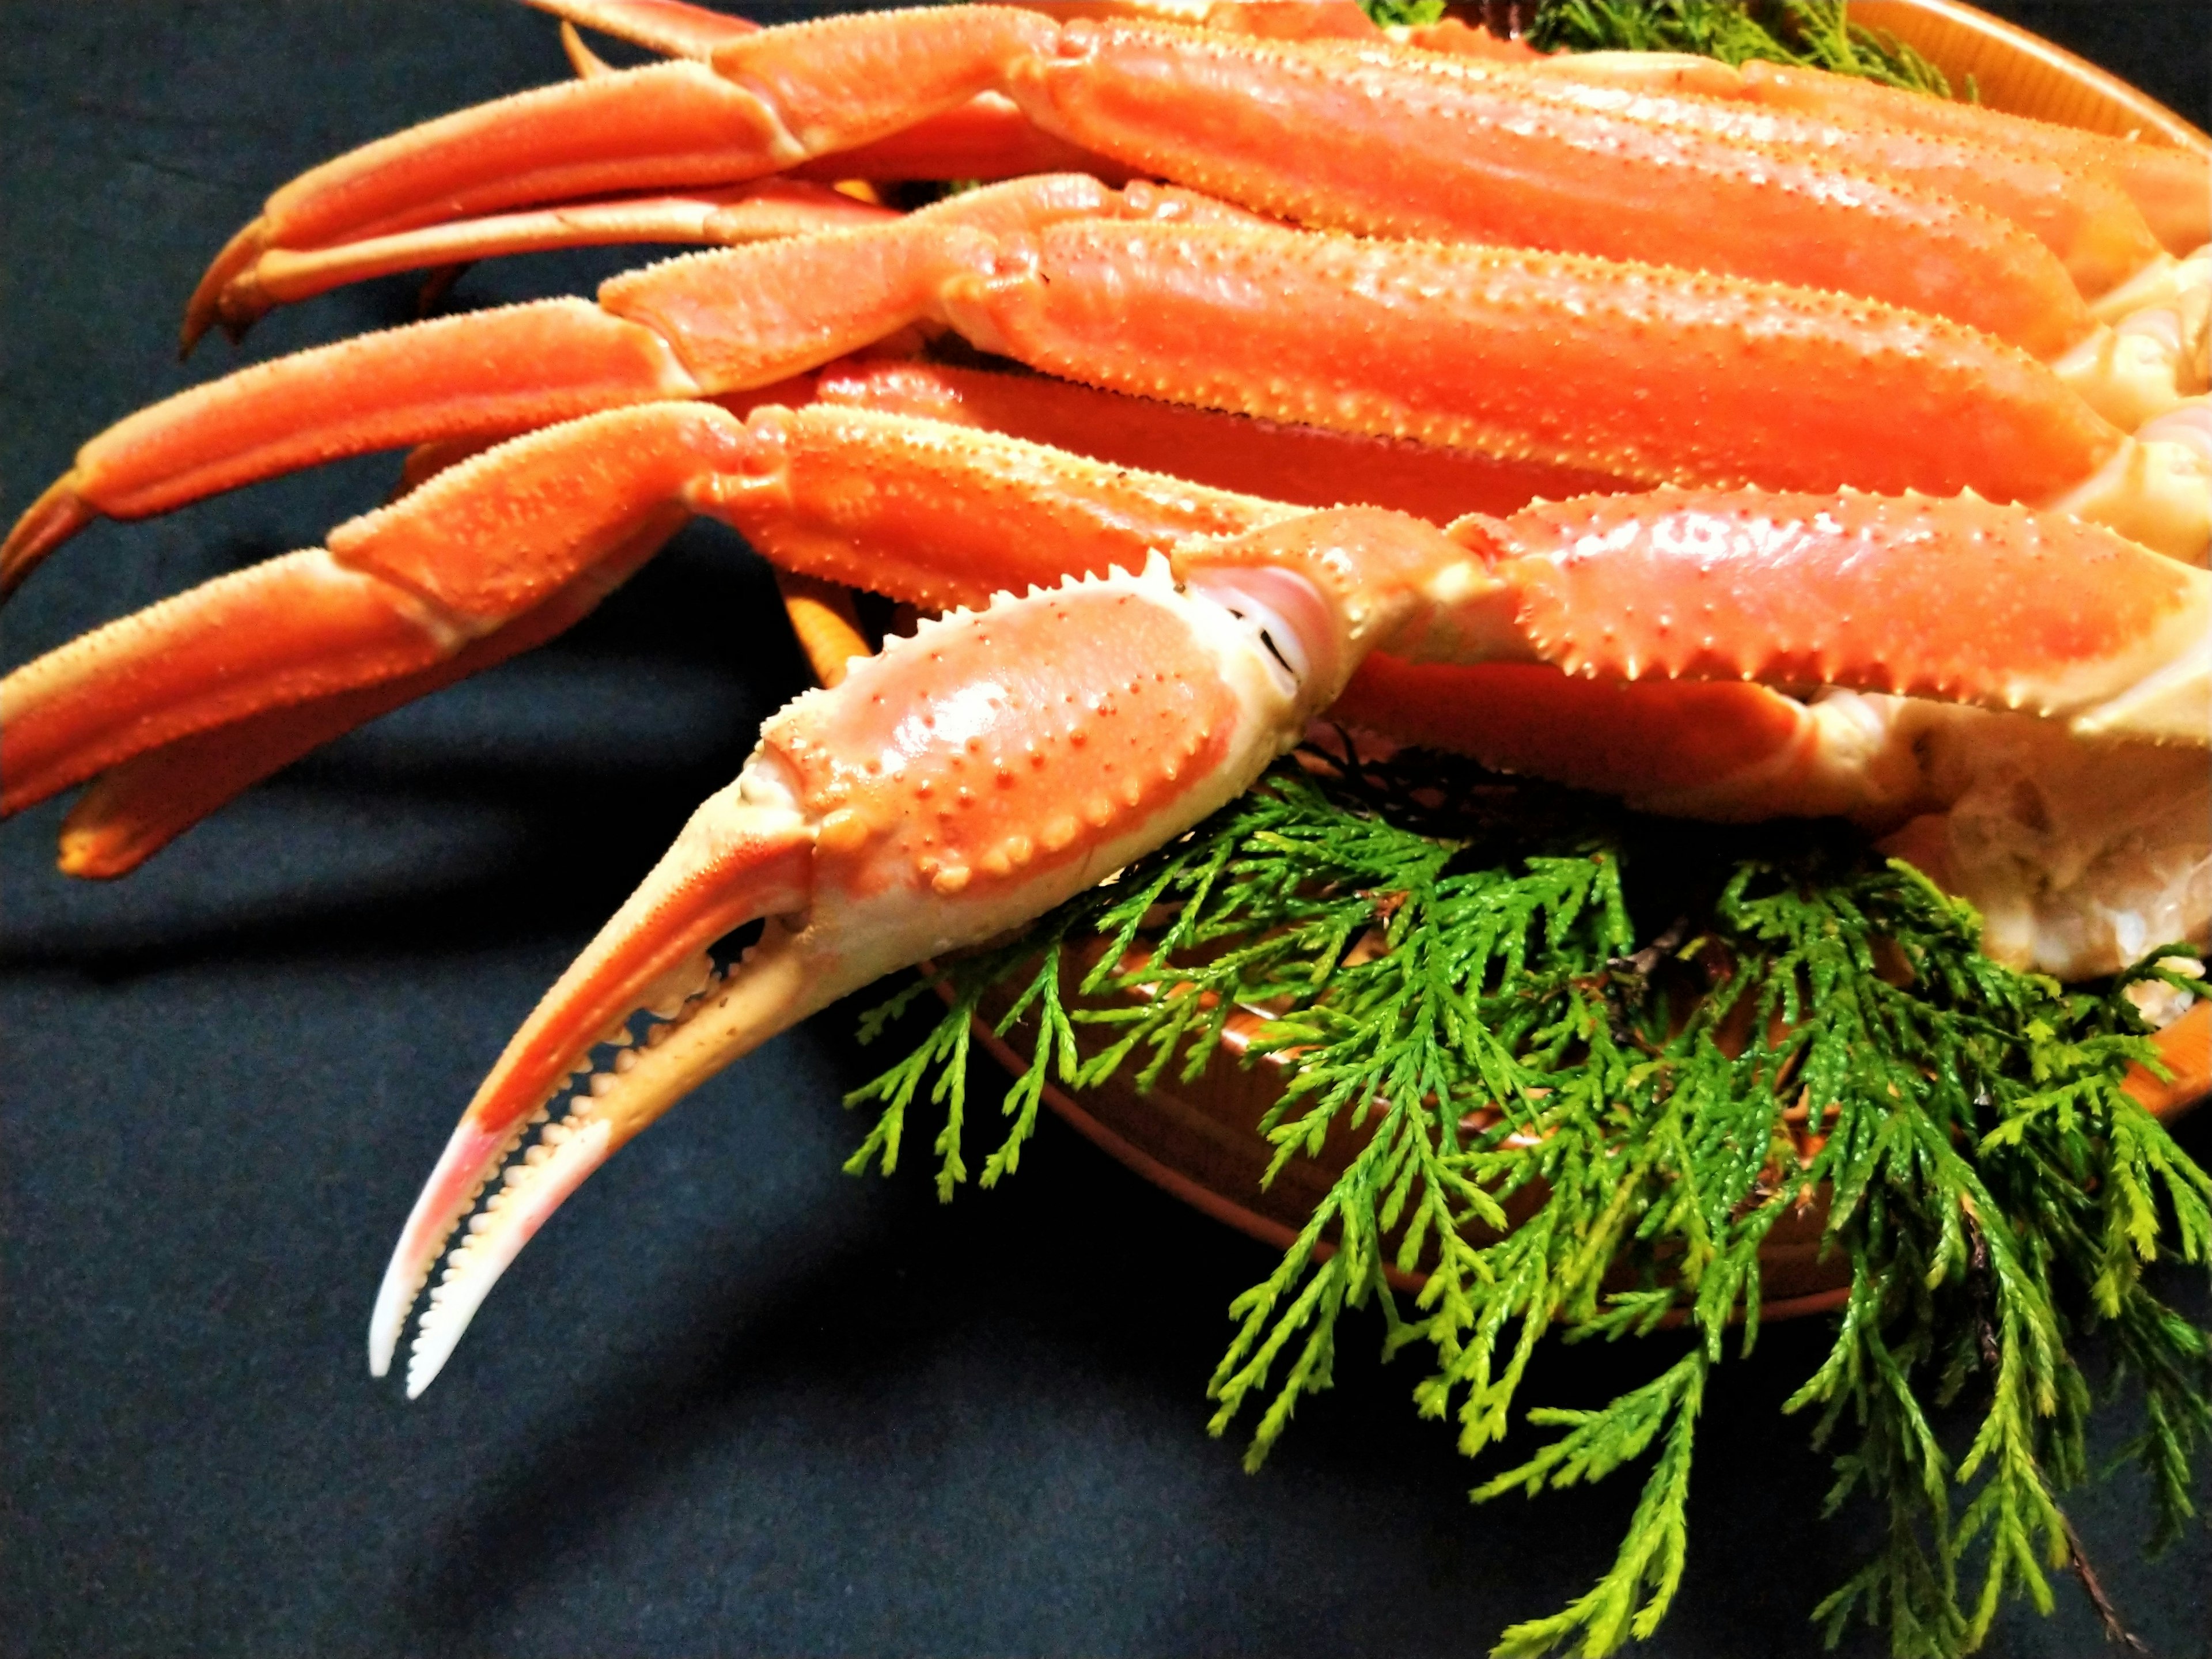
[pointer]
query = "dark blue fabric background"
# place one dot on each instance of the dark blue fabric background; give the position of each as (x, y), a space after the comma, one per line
(732, 1401)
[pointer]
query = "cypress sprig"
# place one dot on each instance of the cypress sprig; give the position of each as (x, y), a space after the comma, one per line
(1404, 14)
(1812, 34)
(1647, 1044)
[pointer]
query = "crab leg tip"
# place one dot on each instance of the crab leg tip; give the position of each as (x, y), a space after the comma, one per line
(205, 308)
(52, 519)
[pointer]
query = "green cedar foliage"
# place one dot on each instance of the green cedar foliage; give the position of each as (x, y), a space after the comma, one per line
(1812, 33)
(1652, 1041)
(1404, 14)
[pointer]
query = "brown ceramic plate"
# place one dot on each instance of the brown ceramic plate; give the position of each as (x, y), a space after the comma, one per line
(2025, 73)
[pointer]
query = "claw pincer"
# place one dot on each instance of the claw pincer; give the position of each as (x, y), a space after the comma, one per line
(1000, 761)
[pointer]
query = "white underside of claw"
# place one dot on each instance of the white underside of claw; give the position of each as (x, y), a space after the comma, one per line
(773, 985)
(497, 1234)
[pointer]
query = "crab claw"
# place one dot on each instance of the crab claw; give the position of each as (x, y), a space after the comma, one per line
(746, 853)
(1002, 761)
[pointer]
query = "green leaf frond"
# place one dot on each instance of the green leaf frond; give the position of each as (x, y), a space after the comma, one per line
(1403, 14)
(1650, 1565)
(1575, 1065)
(1813, 33)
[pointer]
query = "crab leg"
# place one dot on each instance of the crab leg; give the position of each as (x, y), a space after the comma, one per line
(1631, 371)
(943, 516)
(137, 806)
(738, 213)
(1045, 514)
(861, 497)
(1718, 750)
(2080, 835)
(2062, 194)
(1502, 157)
(2078, 212)
(1511, 354)
(2069, 622)
(1508, 353)
(221, 685)
(668, 126)
(833, 490)
(2166, 182)
(988, 137)
(488, 375)
(489, 558)
(1304, 465)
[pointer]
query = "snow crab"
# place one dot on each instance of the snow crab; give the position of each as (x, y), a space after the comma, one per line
(1125, 649)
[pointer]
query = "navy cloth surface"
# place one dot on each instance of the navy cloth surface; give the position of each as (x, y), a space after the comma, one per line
(732, 1400)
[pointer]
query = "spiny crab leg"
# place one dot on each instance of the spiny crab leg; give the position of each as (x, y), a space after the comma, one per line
(1502, 157)
(706, 218)
(943, 517)
(2067, 622)
(2078, 887)
(1714, 748)
(1519, 355)
(497, 553)
(483, 375)
(857, 498)
(1304, 465)
(2167, 182)
(1029, 515)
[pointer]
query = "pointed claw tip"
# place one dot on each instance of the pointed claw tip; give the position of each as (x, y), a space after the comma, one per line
(395, 1300)
(433, 1348)
(470, 1161)
(205, 308)
(494, 1237)
(48, 522)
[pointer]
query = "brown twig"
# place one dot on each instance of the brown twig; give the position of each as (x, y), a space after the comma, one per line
(2116, 1630)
